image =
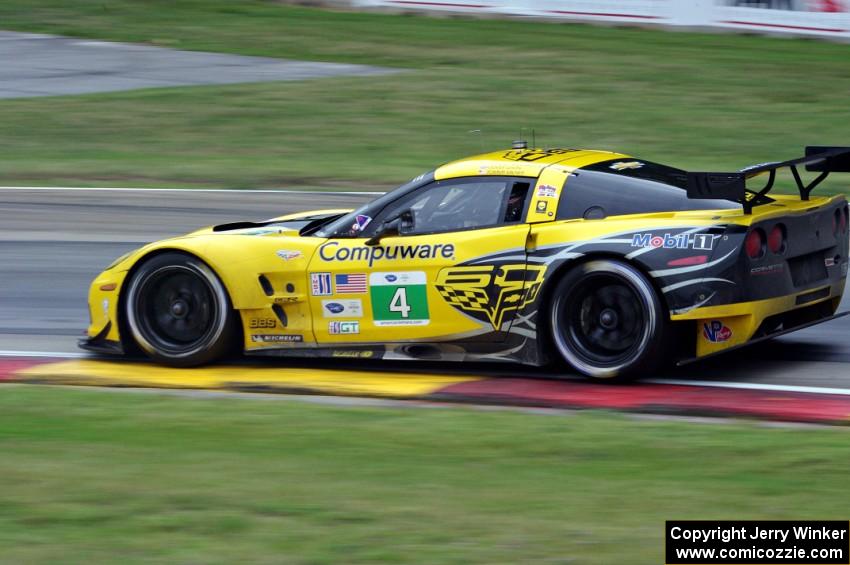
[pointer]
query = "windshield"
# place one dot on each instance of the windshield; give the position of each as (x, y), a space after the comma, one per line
(353, 223)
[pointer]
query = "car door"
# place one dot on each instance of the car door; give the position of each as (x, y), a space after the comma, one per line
(446, 261)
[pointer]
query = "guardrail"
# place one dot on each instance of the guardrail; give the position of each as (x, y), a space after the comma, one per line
(822, 18)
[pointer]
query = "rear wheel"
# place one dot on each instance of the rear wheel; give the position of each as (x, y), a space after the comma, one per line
(178, 311)
(607, 321)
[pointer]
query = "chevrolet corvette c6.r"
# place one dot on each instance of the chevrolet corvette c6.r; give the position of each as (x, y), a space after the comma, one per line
(601, 261)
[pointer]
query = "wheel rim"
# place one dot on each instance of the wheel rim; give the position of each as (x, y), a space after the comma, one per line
(176, 309)
(604, 320)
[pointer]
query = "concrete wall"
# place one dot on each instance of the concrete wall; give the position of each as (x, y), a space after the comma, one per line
(821, 18)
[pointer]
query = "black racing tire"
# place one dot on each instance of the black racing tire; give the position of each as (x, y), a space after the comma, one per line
(178, 312)
(607, 322)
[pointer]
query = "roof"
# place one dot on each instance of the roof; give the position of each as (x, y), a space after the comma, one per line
(523, 162)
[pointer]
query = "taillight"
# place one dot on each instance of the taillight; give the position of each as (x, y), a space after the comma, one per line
(777, 240)
(754, 244)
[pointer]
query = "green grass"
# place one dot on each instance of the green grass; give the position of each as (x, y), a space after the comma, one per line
(102, 477)
(694, 100)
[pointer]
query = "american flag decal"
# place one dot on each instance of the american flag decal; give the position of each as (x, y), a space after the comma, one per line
(350, 284)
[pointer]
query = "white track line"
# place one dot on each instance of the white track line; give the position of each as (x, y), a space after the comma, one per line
(190, 190)
(13, 353)
(753, 386)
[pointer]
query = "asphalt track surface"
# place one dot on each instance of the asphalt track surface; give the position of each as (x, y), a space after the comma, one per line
(54, 241)
(49, 65)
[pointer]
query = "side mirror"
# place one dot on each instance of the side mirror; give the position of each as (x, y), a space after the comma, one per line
(401, 224)
(388, 228)
(408, 221)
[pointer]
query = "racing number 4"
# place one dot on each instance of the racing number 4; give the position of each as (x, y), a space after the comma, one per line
(399, 298)
(399, 302)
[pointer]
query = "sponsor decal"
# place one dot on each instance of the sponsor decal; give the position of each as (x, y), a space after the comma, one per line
(277, 338)
(360, 222)
(333, 251)
(547, 191)
(262, 323)
(700, 241)
(402, 301)
(489, 292)
(775, 269)
(333, 307)
(844, 269)
(285, 299)
(287, 254)
(350, 284)
(344, 328)
(829, 261)
(320, 284)
(506, 170)
(716, 332)
(626, 165)
(531, 155)
(106, 306)
(342, 308)
(542, 205)
(353, 354)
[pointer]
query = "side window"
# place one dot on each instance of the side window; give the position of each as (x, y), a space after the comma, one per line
(617, 187)
(462, 204)
(515, 208)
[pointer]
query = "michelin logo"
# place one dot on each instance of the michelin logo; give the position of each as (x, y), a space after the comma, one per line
(699, 241)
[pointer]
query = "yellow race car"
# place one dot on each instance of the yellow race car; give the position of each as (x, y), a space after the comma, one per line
(607, 263)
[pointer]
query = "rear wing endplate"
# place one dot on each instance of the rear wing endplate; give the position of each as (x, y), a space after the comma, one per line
(733, 186)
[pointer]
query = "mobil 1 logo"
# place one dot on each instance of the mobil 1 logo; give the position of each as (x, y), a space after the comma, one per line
(399, 298)
(698, 241)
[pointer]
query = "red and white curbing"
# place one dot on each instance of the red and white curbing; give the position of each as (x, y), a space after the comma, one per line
(682, 398)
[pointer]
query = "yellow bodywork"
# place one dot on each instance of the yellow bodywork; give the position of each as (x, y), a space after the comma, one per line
(239, 259)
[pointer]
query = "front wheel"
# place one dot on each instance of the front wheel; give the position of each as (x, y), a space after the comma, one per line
(607, 321)
(178, 311)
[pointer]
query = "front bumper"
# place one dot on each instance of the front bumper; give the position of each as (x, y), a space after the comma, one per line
(100, 344)
(102, 334)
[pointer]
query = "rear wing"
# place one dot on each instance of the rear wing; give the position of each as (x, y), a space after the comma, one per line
(733, 186)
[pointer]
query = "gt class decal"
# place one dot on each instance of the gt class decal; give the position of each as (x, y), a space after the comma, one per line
(489, 292)
(344, 328)
(399, 298)
(716, 331)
